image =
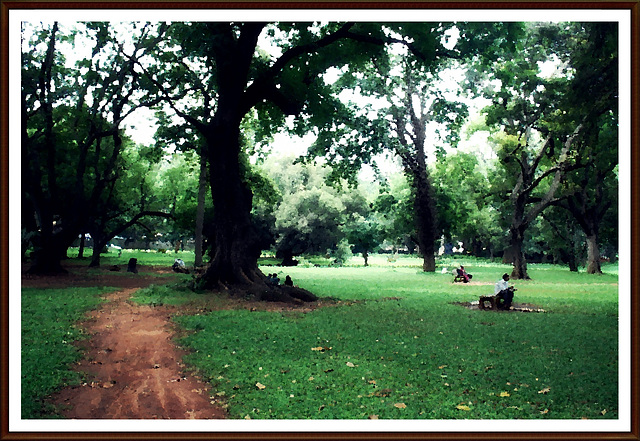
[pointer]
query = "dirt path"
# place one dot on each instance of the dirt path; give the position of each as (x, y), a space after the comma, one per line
(133, 369)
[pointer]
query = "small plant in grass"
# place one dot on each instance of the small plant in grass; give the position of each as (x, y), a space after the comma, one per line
(48, 334)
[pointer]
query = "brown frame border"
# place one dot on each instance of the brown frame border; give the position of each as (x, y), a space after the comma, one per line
(633, 6)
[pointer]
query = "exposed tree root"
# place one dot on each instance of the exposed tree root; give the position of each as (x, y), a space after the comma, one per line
(253, 284)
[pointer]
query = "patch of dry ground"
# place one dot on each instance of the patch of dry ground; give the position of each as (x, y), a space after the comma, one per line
(132, 368)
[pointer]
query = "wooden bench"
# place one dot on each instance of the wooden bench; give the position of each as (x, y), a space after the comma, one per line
(493, 303)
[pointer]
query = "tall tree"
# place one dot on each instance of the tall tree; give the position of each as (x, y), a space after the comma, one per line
(218, 66)
(418, 107)
(71, 128)
(545, 131)
(593, 55)
(593, 190)
(132, 197)
(408, 85)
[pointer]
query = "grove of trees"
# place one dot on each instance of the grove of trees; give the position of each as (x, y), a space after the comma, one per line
(362, 90)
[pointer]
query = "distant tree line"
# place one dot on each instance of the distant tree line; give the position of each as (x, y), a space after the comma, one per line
(550, 190)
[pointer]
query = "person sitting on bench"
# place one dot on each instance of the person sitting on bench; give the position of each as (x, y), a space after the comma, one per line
(504, 293)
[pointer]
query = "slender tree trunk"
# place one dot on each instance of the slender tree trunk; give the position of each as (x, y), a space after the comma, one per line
(519, 260)
(593, 255)
(365, 255)
(81, 249)
(95, 255)
(99, 243)
(425, 222)
(202, 190)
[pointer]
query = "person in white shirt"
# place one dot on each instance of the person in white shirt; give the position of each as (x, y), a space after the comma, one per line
(504, 292)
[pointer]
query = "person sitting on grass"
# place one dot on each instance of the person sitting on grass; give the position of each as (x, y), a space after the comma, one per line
(273, 278)
(465, 277)
(504, 293)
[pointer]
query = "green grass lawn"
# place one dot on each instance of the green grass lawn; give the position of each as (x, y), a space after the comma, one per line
(48, 334)
(396, 347)
(392, 345)
(151, 257)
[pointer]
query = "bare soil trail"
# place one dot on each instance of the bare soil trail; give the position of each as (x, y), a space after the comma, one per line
(132, 367)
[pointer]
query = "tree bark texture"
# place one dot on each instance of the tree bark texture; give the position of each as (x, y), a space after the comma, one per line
(519, 260)
(202, 190)
(235, 242)
(425, 221)
(593, 255)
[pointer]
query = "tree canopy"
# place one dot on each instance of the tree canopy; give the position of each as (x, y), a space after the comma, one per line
(222, 90)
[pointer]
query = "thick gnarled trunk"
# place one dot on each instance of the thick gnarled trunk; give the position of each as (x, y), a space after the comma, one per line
(235, 245)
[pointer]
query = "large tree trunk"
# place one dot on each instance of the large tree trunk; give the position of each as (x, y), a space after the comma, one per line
(49, 251)
(95, 255)
(47, 260)
(235, 253)
(593, 255)
(236, 249)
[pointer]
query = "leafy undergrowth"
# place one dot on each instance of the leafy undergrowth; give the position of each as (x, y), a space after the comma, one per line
(48, 334)
(396, 347)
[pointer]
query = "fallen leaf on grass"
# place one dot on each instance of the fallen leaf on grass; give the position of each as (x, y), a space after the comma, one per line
(381, 393)
(544, 391)
(504, 394)
(260, 386)
(463, 407)
(603, 412)
(373, 417)
(400, 405)
(350, 364)
(544, 411)
(321, 348)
